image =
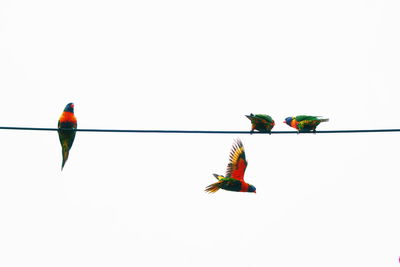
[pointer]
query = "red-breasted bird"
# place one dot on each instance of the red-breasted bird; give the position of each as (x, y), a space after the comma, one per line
(234, 178)
(304, 123)
(67, 125)
(261, 122)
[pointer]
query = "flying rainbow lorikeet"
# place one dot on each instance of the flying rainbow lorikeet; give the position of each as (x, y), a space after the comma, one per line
(261, 122)
(304, 123)
(234, 178)
(67, 125)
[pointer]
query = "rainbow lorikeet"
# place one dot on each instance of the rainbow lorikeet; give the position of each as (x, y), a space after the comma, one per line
(304, 123)
(234, 178)
(67, 125)
(261, 122)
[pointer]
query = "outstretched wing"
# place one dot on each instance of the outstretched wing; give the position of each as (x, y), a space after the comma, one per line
(237, 162)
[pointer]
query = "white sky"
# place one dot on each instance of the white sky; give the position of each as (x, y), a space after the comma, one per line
(138, 199)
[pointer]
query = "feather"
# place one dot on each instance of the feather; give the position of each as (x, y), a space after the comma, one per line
(212, 188)
(237, 161)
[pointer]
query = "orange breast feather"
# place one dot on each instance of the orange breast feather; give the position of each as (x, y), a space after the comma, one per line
(68, 117)
(294, 124)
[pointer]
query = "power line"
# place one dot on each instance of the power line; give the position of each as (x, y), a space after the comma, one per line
(200, 132)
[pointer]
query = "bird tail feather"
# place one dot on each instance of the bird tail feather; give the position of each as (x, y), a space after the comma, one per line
(212, 188)
(65, 154)
(322, 119)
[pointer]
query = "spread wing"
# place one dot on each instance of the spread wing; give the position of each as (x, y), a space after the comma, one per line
(237, 162)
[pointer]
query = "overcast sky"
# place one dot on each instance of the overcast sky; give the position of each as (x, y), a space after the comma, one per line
(127, 199)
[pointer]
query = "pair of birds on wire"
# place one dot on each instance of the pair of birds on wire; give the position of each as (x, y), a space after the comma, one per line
(302, 123)
(234, 178)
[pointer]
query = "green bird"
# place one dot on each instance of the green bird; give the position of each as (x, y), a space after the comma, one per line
(261, 122)
(305, 123)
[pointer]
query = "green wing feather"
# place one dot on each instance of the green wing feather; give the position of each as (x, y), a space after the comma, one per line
(67, 138)
(300, 118)
(260, 118)
(306, 118)
(265, 117)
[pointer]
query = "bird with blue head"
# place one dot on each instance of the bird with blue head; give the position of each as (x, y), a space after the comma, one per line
(305, 123)
(234, 178)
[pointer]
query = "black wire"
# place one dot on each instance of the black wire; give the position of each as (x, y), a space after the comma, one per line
(200, 132)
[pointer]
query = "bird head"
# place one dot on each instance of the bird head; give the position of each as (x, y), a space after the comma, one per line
(250, 116)
(252, 188)
(288, 120)
(69, 108)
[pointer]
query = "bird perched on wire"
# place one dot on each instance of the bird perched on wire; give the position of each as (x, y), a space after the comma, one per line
(261, 122)
(67, 125)
(234, 178)
(305, 123)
